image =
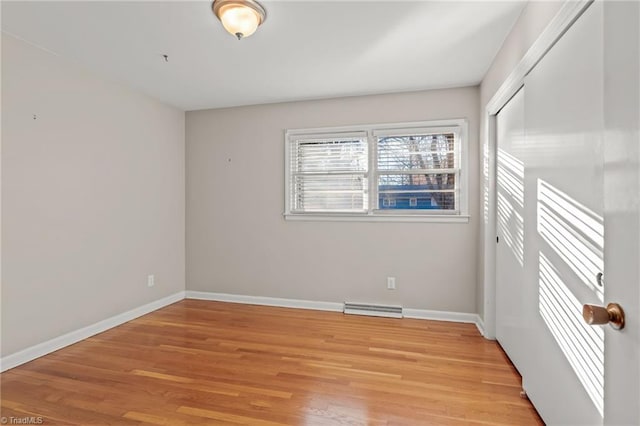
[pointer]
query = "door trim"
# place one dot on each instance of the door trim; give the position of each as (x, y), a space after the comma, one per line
(566, 16)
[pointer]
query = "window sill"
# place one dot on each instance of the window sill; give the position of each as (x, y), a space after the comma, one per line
(311, 217)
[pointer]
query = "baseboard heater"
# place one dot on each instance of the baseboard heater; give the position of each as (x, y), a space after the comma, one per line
(389, 311)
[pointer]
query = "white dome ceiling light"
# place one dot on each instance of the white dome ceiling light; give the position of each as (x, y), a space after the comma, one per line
(240, 18)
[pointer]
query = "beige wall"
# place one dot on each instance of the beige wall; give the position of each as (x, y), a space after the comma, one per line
(534, 19)
(92, 197)
(238, 241)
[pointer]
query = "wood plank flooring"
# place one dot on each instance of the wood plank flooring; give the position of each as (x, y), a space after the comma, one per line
(200, 362)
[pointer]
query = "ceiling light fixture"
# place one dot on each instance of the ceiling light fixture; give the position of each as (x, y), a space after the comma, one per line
(239, 17)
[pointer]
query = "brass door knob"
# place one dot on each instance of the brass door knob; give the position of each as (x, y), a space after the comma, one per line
(612, 314)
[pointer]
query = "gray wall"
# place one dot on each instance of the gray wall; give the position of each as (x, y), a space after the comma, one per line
(92, 197)
(532, 21)
(238, 241)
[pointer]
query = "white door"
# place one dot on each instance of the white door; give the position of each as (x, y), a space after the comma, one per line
(511, 326)
(579, 109)
(564, 246)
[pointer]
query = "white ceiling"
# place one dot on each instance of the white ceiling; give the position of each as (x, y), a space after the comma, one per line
(304, 50)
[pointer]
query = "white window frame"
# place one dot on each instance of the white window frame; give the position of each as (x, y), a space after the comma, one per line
(457, 126)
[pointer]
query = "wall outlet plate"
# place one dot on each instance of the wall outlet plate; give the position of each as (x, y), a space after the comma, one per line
(391, 283)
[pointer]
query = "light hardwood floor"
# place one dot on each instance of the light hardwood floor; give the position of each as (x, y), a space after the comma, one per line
(200, 362)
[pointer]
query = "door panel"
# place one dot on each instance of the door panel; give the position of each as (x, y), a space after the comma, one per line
(511, 326)
(564, 199)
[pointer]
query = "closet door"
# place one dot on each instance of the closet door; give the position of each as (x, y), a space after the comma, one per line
(511, 326)
(564, 235)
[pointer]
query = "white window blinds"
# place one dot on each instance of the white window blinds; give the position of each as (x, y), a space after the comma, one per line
(329, 173)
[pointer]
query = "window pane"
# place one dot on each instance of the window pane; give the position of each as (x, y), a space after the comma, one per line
(329, 175)
(345, 193)
(412, 182)
(329, 155)
(420, 152)
(434, 191)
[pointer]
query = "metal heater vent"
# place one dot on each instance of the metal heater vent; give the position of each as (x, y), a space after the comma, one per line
(389, 311)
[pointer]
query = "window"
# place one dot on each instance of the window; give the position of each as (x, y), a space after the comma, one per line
(329, 174)
(409, 171)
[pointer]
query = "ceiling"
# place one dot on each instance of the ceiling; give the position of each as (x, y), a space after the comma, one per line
(304, 50)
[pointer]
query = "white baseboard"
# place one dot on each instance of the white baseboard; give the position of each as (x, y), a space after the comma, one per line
(266, 301)
(75, 336)
(480, 325)
(368, 313)
(440, 315)
(332, 306)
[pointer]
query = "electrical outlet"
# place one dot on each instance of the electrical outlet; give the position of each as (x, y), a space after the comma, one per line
(151, 281)
(391, 283)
